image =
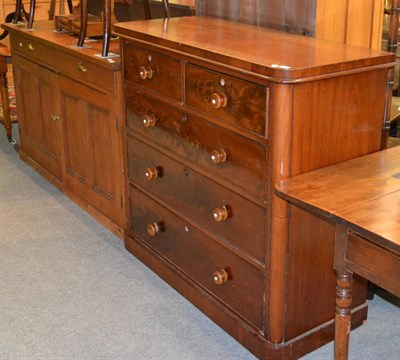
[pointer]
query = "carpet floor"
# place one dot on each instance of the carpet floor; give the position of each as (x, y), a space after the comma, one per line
(69, 290)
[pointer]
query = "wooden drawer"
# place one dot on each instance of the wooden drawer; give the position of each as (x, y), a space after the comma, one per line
(199, 141)
(152, 70)
(199, 257)
(87, 72)
(70, 65)
(199, 198)
(33, 49)
(239, 102)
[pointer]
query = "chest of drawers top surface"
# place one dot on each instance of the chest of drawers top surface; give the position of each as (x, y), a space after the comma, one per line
(271, 53)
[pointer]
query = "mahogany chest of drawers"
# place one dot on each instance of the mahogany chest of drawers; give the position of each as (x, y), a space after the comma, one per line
(216, 114)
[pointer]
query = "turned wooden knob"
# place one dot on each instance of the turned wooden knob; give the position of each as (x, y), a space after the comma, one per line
(153, 229)
(151, 173)
(219, 100)
(149, 121)
(220, 277)
(220, 213)
(145, 72)
(218, 156)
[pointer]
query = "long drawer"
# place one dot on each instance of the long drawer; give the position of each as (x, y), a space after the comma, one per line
(211, 205)
(152, 70)
(201, 258)
(220, 151)
(241, 103)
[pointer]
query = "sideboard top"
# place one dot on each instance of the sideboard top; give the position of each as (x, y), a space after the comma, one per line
(45, 32)
(267, 52)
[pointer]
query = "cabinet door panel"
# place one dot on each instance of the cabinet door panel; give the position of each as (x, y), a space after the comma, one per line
(77, 135)
(103, 127)
(92, 155)
(39, 114)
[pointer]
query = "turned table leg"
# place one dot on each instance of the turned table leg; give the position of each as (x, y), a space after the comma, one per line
(343, 315)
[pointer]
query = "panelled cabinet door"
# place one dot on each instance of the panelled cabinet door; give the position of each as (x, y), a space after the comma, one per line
(39, 114)
(93, 168)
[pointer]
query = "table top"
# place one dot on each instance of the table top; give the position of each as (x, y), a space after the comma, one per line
(363, 194)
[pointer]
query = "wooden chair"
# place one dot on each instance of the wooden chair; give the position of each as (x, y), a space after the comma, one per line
(5, 60)
(108, 14)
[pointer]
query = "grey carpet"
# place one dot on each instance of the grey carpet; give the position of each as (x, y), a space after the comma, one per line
(69, 290)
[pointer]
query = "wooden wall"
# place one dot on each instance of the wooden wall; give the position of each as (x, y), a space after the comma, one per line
(289, 15)
(357, 22)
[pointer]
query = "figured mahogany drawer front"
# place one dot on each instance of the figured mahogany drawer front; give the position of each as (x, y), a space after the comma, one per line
(200, 257)
(87, 72)
(209, 204)
(220, 151)
(236, 101)
(152, 70)
(33, 49)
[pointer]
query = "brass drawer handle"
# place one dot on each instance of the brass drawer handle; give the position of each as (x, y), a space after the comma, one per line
(220, 277)
(55, 117)
(218, 156)
(222, 213)
(81, 67)
(146, 72)
(149, 121)
(31, 47)
(219, 101)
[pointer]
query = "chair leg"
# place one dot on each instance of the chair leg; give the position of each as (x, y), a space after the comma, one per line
(6, 106)
(146, 8)
(84, 20)
(167, 13)
(107, 26)
(32, 14)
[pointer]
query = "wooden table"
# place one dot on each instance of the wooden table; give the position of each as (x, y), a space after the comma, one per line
(362, 198)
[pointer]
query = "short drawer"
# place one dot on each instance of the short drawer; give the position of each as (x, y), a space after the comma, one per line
(209, 204)
(200, 257)
(32, 49)
(239, 102)
(87, 72)
(152, 70)
(220, 151)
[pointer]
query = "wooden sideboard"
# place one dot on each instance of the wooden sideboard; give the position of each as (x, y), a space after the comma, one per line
(216, 114)
(70, 114)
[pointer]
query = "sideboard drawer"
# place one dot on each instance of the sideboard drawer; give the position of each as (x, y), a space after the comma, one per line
(236, 101)
(88, 72)
(33, 49)
(220, 151)
(209, 204)
(152, 70)
(199, 257)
